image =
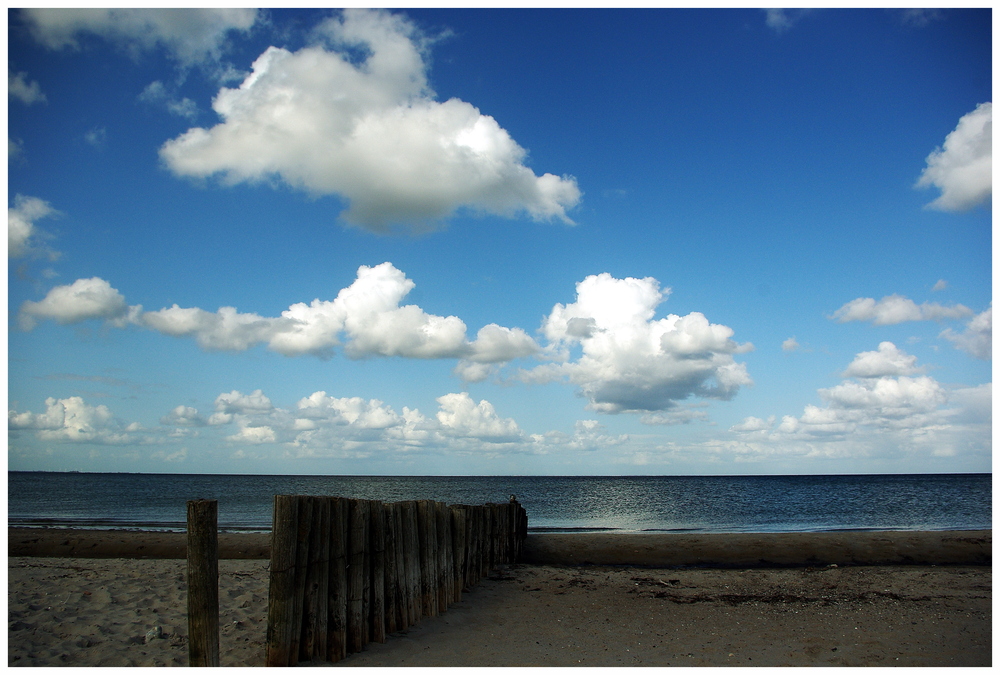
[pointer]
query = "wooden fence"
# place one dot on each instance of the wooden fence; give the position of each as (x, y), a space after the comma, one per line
(347, 572)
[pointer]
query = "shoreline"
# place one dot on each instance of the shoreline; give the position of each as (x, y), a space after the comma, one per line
(736, 550)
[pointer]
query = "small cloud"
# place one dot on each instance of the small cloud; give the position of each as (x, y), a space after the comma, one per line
(14, 148)
(22, 234)
(96, 137)
(24, 91)
(777, 20)
(977, 340)
(156, 94)
(82, 300)
(190, 36)
(919, 17)
(790, 345)
(940, 285)
(893, 309)
(963, 168)
(781, 20)
(888, 361)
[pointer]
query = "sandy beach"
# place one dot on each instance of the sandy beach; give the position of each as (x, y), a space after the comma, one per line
(129, 610)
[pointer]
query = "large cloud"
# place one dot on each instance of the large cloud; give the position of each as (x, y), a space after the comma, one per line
(367, 314)
(22, 235)
(977, 339)
(893, 309)
(189, 35)
(71, 419)
(370, 131)
(963, 168)
(630, 362)
(366, 317)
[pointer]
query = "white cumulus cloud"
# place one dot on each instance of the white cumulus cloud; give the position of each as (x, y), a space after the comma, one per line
(190, 35)
(977, 339)
(460, 415)
(887, 361)
(630, 362)
(367, 317)
(71, 420)
(22, 235)
(885, 408)
(183, 416)
(369, 131)
(82, 300)
(893, 309)
(963, 168)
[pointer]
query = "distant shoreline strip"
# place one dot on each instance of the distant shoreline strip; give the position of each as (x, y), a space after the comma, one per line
(737, 550)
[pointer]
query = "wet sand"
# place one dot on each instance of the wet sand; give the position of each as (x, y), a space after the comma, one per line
(97, 611)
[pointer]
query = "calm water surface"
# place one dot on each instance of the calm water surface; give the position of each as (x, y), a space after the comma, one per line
(623, 503)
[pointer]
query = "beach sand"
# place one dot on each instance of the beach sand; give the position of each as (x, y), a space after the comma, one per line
(92, 611)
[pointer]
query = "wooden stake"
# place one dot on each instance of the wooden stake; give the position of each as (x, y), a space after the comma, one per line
(203, 582)
(301, 567)
(441, 555)
(458, 551)
(391, 587)
(280, 596)
(336, 648)
(377, 608)
(356, 576)
(402, 597)
(310, 602)
(413, 562)
(426, 522)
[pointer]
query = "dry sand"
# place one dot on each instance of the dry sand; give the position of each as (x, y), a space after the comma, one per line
(97, 612)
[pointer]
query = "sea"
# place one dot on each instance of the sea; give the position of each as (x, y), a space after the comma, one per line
(694, 504)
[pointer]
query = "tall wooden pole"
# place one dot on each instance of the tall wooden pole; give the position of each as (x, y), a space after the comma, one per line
(355, 576)
(203, 582)
(336, 648)
(391, 585)
(377, 576)
(412, 561)
(281, 596)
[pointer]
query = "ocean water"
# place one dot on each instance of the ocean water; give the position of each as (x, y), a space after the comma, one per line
(618, 503)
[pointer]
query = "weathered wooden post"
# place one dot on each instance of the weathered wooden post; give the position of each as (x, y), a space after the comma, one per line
(336, 647)
(426, 522)
(443, 534)
(377, 576)
(203, 582)
(301, 567)
(356, 576)
(458, 550)
(402, 601)
(323, 608)
(488, 540)
(280, 596)
(391, 588)
(315, 601)
(413, 560)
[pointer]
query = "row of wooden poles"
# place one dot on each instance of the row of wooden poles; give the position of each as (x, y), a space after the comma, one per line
(347, 572)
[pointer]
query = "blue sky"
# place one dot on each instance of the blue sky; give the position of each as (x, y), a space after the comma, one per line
(500, 241)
